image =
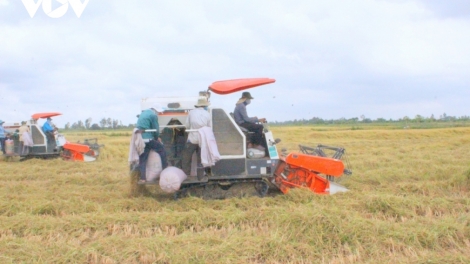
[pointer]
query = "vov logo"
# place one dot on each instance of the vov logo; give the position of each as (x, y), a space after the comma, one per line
(32, 7)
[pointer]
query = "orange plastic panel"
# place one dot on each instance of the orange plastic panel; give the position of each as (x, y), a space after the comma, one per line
(76, 147)
(231, 86)
(76, 156)
(323, 165)
(287, 177)
(280, 176)
(45, 115)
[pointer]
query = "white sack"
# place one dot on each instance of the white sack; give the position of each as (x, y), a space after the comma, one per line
(171, 179)
(9, 147)
(253, 153)
(153, 168)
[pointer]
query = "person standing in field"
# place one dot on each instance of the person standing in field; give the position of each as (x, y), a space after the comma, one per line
(197, 118)
(2, 136)
(250, 123)
(23, 129)
(147, 120)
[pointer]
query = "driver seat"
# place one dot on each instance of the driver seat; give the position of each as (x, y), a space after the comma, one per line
(244, 130)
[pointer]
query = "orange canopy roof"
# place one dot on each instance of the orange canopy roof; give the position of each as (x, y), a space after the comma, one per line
(231, 86)
(45, 115)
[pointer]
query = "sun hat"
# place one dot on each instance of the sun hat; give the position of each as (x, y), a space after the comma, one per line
(202, 101)
(245, 96)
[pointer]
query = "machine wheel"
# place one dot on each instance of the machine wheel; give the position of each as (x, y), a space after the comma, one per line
(209, 191)
(262, 188)
(225, 185)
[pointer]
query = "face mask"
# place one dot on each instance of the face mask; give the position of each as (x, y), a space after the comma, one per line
(247, 101)
(205, 108)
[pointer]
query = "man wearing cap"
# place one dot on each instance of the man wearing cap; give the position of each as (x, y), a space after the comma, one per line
(2, 136)
(48, 129)
(48, 126)
(241, 118)
(147, 120)
(197, 118)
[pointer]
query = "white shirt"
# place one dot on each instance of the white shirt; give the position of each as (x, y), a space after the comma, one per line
(197, 118)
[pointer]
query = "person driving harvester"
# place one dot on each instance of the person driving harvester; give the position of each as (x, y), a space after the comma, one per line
(48, 128)
(250, 123)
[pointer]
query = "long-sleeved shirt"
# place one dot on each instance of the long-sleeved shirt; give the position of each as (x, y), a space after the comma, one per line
(2, 132)
(22, 129)
(148, 120)
(240, 115)
(47, 127)
(197, 118)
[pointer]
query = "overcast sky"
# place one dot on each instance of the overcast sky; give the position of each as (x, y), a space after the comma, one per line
(330, 58)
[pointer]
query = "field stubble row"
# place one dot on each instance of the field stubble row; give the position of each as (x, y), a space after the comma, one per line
(408, 203)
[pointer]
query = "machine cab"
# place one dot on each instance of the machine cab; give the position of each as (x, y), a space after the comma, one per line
(231, 140)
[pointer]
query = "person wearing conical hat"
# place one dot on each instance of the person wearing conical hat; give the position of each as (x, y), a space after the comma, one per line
(197, 118)
(250, 123)
(23, 129)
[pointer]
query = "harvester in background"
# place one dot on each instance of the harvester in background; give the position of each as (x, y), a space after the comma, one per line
(315, 168)
(93, 144)
(43, 148)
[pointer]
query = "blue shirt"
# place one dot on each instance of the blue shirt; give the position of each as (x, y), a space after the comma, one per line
(148, 120)
(47, 127)
(2, 132)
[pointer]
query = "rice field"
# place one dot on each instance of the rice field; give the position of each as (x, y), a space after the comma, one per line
(409, 202)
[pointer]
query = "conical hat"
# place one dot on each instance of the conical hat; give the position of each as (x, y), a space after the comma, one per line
(202, 102)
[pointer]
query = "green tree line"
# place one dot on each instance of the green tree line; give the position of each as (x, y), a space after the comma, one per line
(110, 123)
(363, 119)
(104, 123)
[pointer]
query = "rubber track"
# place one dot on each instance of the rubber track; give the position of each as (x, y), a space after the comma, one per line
(230, 182)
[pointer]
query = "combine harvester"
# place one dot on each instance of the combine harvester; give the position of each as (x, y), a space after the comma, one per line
(44, 149)
(310, 168)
